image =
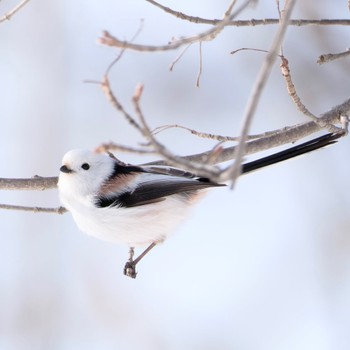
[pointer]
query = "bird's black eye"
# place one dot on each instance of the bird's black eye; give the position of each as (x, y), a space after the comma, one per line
(85, 166)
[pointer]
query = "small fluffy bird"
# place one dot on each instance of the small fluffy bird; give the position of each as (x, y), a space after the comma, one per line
(140, 205)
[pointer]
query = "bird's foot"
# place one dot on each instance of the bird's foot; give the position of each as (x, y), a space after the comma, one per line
(130, 269)
(130, 266)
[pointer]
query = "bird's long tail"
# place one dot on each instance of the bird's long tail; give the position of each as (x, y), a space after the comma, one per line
(292, 152)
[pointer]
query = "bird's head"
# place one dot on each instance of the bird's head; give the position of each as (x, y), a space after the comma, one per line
(83, 172)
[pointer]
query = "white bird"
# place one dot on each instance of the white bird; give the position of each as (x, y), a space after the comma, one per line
(140, 205)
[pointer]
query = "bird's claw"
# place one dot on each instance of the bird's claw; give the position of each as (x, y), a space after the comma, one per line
(130, 269)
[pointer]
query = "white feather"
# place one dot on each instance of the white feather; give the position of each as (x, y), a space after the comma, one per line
(134, 226)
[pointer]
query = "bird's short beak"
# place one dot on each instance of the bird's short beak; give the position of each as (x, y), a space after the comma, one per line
(65, 169)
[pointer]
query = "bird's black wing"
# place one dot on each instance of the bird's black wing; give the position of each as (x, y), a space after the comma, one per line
(156, 189)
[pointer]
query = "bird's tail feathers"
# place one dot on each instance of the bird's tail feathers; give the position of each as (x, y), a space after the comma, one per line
(306, 147)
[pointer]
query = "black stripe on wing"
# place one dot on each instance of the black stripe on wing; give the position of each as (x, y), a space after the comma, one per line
(154, 191)
(122, 169)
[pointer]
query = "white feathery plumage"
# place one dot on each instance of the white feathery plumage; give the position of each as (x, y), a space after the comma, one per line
(150, 218)
(137, 205)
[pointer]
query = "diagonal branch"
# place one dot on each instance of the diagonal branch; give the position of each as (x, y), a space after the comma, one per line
(286, 135)
(297, 101)
(202, 168)
(8, 16)
(233, 171)
(210, 34)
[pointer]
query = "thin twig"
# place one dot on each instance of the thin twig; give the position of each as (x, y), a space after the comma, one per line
(112, 146)
(216, 137)
(247, 49)
(199, 134)
(177, 59)
(109, 40)
(106, 88)
(293, 22)
(169, 10)
(233, 171)
(200, 65)
(194, 163)
(252, 22)
(8, 15)
(58, 210)
(291, 135)
(208, 171)
(115, 103)
(121, 53)
(332, 56)
(296, 99)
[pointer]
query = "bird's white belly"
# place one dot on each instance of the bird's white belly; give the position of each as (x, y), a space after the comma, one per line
(135, 226)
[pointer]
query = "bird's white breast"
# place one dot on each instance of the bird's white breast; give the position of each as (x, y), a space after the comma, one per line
(135, 226)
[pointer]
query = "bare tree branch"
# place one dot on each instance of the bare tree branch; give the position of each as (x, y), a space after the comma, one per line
(204, 164)
(58, 210)
(8, 15)
(109, 40)
(286, 135)
(204, 169)
(297, 101)
(215, 137)
(179, 57)
(200, 65)
(332, 56)
(112, 146)
(252, 22)
(36, 183)
(113, 100)
(278, 138)
(233, 171)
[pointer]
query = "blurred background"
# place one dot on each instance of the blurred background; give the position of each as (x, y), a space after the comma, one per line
(266, 266)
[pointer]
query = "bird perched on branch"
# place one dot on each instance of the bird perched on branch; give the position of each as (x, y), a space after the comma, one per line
(141, 205)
